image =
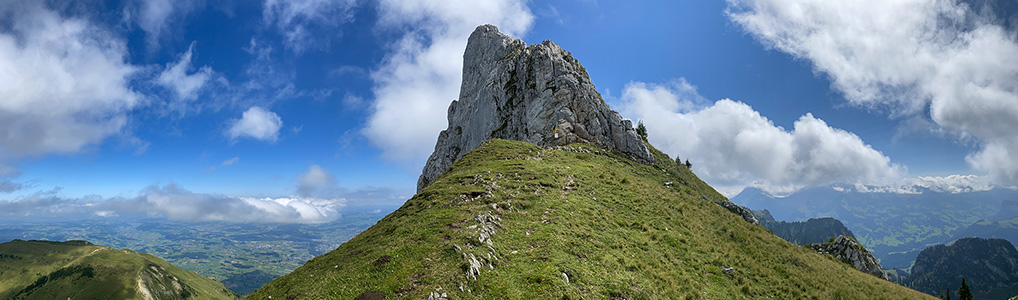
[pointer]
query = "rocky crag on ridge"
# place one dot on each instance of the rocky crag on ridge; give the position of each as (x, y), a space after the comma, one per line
(538, 94)
(849, 251)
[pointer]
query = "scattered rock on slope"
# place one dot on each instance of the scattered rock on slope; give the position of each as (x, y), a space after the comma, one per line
(538, 94)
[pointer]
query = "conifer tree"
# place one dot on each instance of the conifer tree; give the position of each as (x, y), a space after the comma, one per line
(641, 130)
(964, 292)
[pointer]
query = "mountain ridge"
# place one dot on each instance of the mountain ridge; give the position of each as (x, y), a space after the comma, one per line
(514, 220)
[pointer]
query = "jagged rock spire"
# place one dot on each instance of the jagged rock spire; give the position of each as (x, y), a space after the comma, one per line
(538, 94)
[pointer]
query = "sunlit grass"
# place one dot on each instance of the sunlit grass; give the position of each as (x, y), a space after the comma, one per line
(613, 227)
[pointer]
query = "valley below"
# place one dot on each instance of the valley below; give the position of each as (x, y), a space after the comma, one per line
(244, 256)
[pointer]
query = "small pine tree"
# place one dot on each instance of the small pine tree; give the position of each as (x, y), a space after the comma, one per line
(688, 165)
(964, 292)
(641, 130)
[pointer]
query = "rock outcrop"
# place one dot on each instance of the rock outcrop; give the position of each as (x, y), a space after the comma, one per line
(742, 211)
(849, 251)
(538, 94)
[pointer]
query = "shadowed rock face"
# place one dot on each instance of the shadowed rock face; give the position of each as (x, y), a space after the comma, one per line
(538, 94)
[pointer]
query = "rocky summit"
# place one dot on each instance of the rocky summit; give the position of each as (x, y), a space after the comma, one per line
(538, 94)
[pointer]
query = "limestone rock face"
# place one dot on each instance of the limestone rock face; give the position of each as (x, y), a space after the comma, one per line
(538, 94)
(853, 253)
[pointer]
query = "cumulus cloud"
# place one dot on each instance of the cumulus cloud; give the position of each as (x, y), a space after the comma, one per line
(950, 60)
(421, 75)
(154, 16)
(295, 19)
(952, 184)
(181, 78)
(732, 146)
(179, 204)
(256, 123)
(315, 180)
(66, 82)
(175, 203)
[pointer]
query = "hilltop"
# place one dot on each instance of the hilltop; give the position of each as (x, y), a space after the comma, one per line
(571, 208)
(81, 270)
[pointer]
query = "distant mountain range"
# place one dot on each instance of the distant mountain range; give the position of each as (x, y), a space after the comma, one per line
(897, 226)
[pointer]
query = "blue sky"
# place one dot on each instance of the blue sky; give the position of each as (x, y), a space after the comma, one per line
(340, 102)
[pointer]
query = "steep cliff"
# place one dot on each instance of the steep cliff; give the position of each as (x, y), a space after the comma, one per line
(538, 94)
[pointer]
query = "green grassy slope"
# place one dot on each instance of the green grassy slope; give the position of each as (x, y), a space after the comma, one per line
(80, 270)
(571, 224)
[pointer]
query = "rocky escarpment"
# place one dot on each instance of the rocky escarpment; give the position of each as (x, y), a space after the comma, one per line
(538, 94)
(849, 251)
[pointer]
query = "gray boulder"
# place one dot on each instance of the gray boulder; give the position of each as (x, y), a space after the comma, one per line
(538, 94)
(851, 252)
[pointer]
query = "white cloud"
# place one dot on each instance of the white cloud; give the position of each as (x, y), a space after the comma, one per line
(732, 146)
(315, 180)
(421, 76)
(295, 19)
(940, 57)
(184, 86)
(230, 161)
(953, 183)
(227, 162)
(154, 17)
(65, 82)
(175, 203)
(256, 123)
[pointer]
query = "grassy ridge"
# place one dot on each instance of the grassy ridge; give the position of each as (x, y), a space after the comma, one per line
(573, 223)
(80, 270)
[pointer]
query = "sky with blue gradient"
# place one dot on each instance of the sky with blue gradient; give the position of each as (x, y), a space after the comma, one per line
(343, 100)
